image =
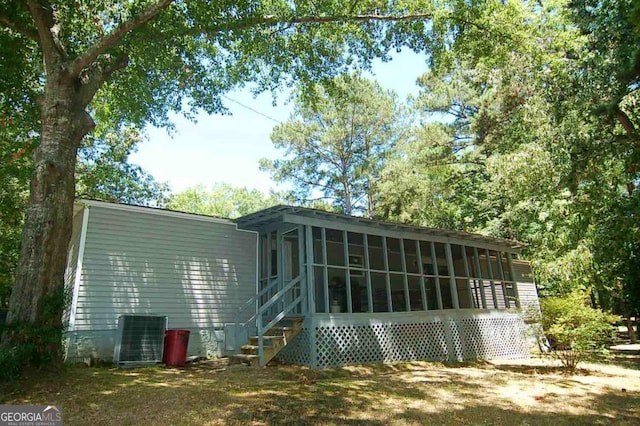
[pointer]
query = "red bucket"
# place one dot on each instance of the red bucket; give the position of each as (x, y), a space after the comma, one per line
(175, 348)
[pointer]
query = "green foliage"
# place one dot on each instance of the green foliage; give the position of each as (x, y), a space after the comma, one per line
(15, 168)
(574, 327)
(617, 236)
(34, 345)
(223, 200)
(534, 137)
(605, 145)
(192, 52)
(561, 273)
(335, 143)
(426, 182)
(480, 161)
(18, 119)
(103, 171)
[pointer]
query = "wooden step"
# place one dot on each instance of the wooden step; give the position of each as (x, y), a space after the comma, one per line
(290, 320)
(269, 351)
(249, 349)
(249, 359)
(280, 331)
(293, 321)
(294, 318)
(274, 340)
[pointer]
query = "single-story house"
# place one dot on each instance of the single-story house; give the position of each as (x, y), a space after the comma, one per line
(359, 290)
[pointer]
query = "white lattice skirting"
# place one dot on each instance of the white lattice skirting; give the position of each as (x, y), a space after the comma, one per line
(329, 342)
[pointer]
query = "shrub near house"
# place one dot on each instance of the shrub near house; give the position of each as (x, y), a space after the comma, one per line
(574, 327)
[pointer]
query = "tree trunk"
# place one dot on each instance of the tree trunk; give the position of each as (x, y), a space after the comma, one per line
(48, 221)
(369, 197)
(632, 333)
(592, 297)
(347, 198)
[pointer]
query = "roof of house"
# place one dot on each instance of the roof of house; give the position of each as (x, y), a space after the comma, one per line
(277, 214)
(80, 203)
(273, 216)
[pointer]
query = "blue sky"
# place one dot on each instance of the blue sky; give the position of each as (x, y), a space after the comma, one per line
(227, 148)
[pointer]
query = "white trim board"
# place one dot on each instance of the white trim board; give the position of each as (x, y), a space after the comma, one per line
(78, 274)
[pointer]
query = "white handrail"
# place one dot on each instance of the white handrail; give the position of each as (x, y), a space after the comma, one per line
(281, 315)
(257, 318)
(275, 298)
(278, 295)
(249, 303)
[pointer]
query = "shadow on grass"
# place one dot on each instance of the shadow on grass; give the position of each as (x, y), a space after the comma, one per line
(539, 369)
(387, 399)
(622, 360)
(408, 393)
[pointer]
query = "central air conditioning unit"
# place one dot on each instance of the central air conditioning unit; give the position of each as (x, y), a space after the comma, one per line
(140, 339)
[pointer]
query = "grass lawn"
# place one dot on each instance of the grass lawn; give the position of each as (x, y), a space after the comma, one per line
(529, 392)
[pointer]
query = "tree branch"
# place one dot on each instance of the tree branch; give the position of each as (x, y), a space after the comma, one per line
(116, 35)
(325, 154)
(352, 18)
(14, 26)
(99, 75)
(271, 20)
(440, 163)
(628, 126)
(303, 181)
(42, 14)
(150, 12)
(302, 201)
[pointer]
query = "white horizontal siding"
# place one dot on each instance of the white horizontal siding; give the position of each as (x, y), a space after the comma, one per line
(488, 295)
(193, 271)
(527, 291)
(500, 295)
(196, 270)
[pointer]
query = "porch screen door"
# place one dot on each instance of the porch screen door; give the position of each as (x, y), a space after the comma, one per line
(291, 270)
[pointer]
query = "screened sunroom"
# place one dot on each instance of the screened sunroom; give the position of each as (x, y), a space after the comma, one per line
(371, 291)
(364, 272)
